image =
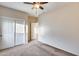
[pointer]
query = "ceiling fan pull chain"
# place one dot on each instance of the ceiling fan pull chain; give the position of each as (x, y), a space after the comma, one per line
(36, 12)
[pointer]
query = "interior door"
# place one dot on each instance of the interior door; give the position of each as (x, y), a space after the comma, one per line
(20, 32)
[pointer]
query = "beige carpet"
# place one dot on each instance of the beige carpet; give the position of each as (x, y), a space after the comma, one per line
(34, 48)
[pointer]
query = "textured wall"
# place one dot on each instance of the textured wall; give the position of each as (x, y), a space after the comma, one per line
(60, 28)
(12, 13)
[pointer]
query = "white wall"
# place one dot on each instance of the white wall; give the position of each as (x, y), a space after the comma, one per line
(8, 12)
(60, 28)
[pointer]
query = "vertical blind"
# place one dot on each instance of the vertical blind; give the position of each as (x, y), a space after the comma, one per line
(12, 32)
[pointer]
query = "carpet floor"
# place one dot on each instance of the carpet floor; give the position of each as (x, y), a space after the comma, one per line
(34, 48)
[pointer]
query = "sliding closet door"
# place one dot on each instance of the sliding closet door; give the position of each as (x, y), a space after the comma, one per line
(20, 32)
(7, 33)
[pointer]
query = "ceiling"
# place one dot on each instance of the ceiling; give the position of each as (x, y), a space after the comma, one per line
(28, 8)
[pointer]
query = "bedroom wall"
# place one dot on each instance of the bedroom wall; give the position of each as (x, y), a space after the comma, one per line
(60, 28)
(4, 11)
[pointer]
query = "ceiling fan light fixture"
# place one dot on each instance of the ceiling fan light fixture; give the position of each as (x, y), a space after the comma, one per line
(37, 5)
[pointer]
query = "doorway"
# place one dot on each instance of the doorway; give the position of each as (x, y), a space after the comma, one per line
(34, 31)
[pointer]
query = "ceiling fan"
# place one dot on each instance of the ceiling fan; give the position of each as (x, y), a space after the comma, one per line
(36, 5)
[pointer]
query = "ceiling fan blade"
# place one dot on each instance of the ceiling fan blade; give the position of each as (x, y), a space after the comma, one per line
(43, 2)
(41, 7)
(34, 2)
(28, 3)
